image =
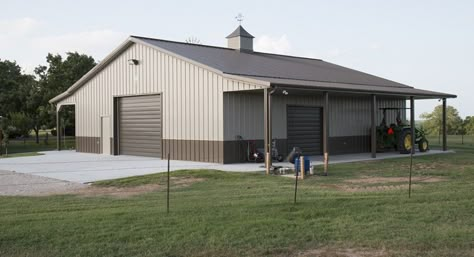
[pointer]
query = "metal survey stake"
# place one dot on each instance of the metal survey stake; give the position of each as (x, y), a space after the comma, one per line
(168, 188)
(296, 184)
(409, 180)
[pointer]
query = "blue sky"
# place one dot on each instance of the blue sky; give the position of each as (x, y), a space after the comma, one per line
(426, 44)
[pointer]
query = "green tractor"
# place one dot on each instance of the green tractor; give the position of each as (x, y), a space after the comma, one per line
(398, 135)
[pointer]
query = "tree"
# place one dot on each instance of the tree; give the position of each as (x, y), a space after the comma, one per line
(54, 79)
(61, 73)
(5, 130)
(11, 79)
(21, 124)
(433, 123)
(469, 125)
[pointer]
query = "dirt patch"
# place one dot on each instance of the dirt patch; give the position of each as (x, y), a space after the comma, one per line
(20, 184)
(378, 180)
(124, 192)
(377, 184)
(328, 252)
(376, 188)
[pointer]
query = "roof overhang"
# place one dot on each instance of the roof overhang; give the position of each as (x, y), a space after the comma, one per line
(405, 92)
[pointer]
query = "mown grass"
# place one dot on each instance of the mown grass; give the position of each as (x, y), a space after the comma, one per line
(29, 145)
(238, 214)
(3, 156)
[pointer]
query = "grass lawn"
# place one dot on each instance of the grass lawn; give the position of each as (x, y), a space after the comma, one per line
(360, 208)
(19, 155)
(29, 145)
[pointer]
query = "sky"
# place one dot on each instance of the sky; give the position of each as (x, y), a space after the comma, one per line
(424, 44)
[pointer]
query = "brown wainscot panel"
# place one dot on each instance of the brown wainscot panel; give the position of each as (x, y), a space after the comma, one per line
(193, 150)
(88, 144)
(236, 151)
(349, 144)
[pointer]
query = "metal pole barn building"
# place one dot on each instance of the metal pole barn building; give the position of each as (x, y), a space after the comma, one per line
(151, 96)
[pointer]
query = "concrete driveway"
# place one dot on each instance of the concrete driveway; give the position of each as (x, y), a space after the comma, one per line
(84, 167)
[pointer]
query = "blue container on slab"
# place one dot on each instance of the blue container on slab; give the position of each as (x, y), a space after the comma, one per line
(306, 165)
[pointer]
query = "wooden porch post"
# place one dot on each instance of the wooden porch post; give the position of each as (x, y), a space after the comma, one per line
(445, 132)
(373, 138)
(266, 129)
(412, 123)
(58, 128)
(326, 132)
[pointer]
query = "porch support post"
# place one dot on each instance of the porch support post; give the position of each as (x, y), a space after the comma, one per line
(58, 128)
(326, 132)
(412, 124)
(270, 136)
(373, 132)
(266, 129)
(445, 131)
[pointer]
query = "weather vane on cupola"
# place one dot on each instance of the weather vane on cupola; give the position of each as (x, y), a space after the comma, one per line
(239, 18)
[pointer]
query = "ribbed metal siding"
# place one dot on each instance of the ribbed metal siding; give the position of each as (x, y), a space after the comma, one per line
(305, 129)
(140, 125)
(192, 96)
(243, 113)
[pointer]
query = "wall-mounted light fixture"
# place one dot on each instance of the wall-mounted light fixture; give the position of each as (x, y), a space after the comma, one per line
(133, 61)
(285, 92)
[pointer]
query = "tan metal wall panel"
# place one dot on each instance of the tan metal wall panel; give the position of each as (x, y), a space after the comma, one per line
(191, 95)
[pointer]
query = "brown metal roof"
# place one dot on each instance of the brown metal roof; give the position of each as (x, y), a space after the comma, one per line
(354, 88)
(288, 70)
(274, 69)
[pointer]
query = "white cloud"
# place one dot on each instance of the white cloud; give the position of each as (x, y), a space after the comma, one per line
(374, 46)
(278, 45)
(28, 41)
(96, 43)
(18, 27)
(335, 52)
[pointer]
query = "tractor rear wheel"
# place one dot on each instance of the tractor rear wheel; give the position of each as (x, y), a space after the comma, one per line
(423, 145)
(405, 142)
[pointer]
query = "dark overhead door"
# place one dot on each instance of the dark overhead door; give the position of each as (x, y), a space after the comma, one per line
(304, 129)
(140, 125)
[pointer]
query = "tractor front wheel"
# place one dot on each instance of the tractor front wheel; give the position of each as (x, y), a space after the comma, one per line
(423, 145)
(405, 142)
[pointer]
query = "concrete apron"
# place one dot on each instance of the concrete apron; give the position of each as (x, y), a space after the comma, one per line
(358, 157)
(85, 167)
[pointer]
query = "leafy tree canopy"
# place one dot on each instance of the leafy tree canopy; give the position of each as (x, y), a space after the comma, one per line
(433, 124)
(469, 125)
(62, 73)
(24, 99)
(12, 87)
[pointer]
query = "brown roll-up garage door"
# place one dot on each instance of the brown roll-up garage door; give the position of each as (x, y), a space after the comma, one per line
(304, 129)
(140, 125)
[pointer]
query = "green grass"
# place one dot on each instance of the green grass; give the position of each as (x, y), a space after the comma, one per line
(453, 140)
(29, 145)
(19, 155)
(238, 214)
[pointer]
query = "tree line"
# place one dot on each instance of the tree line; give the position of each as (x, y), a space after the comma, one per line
(455, 125)
(24, 98)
